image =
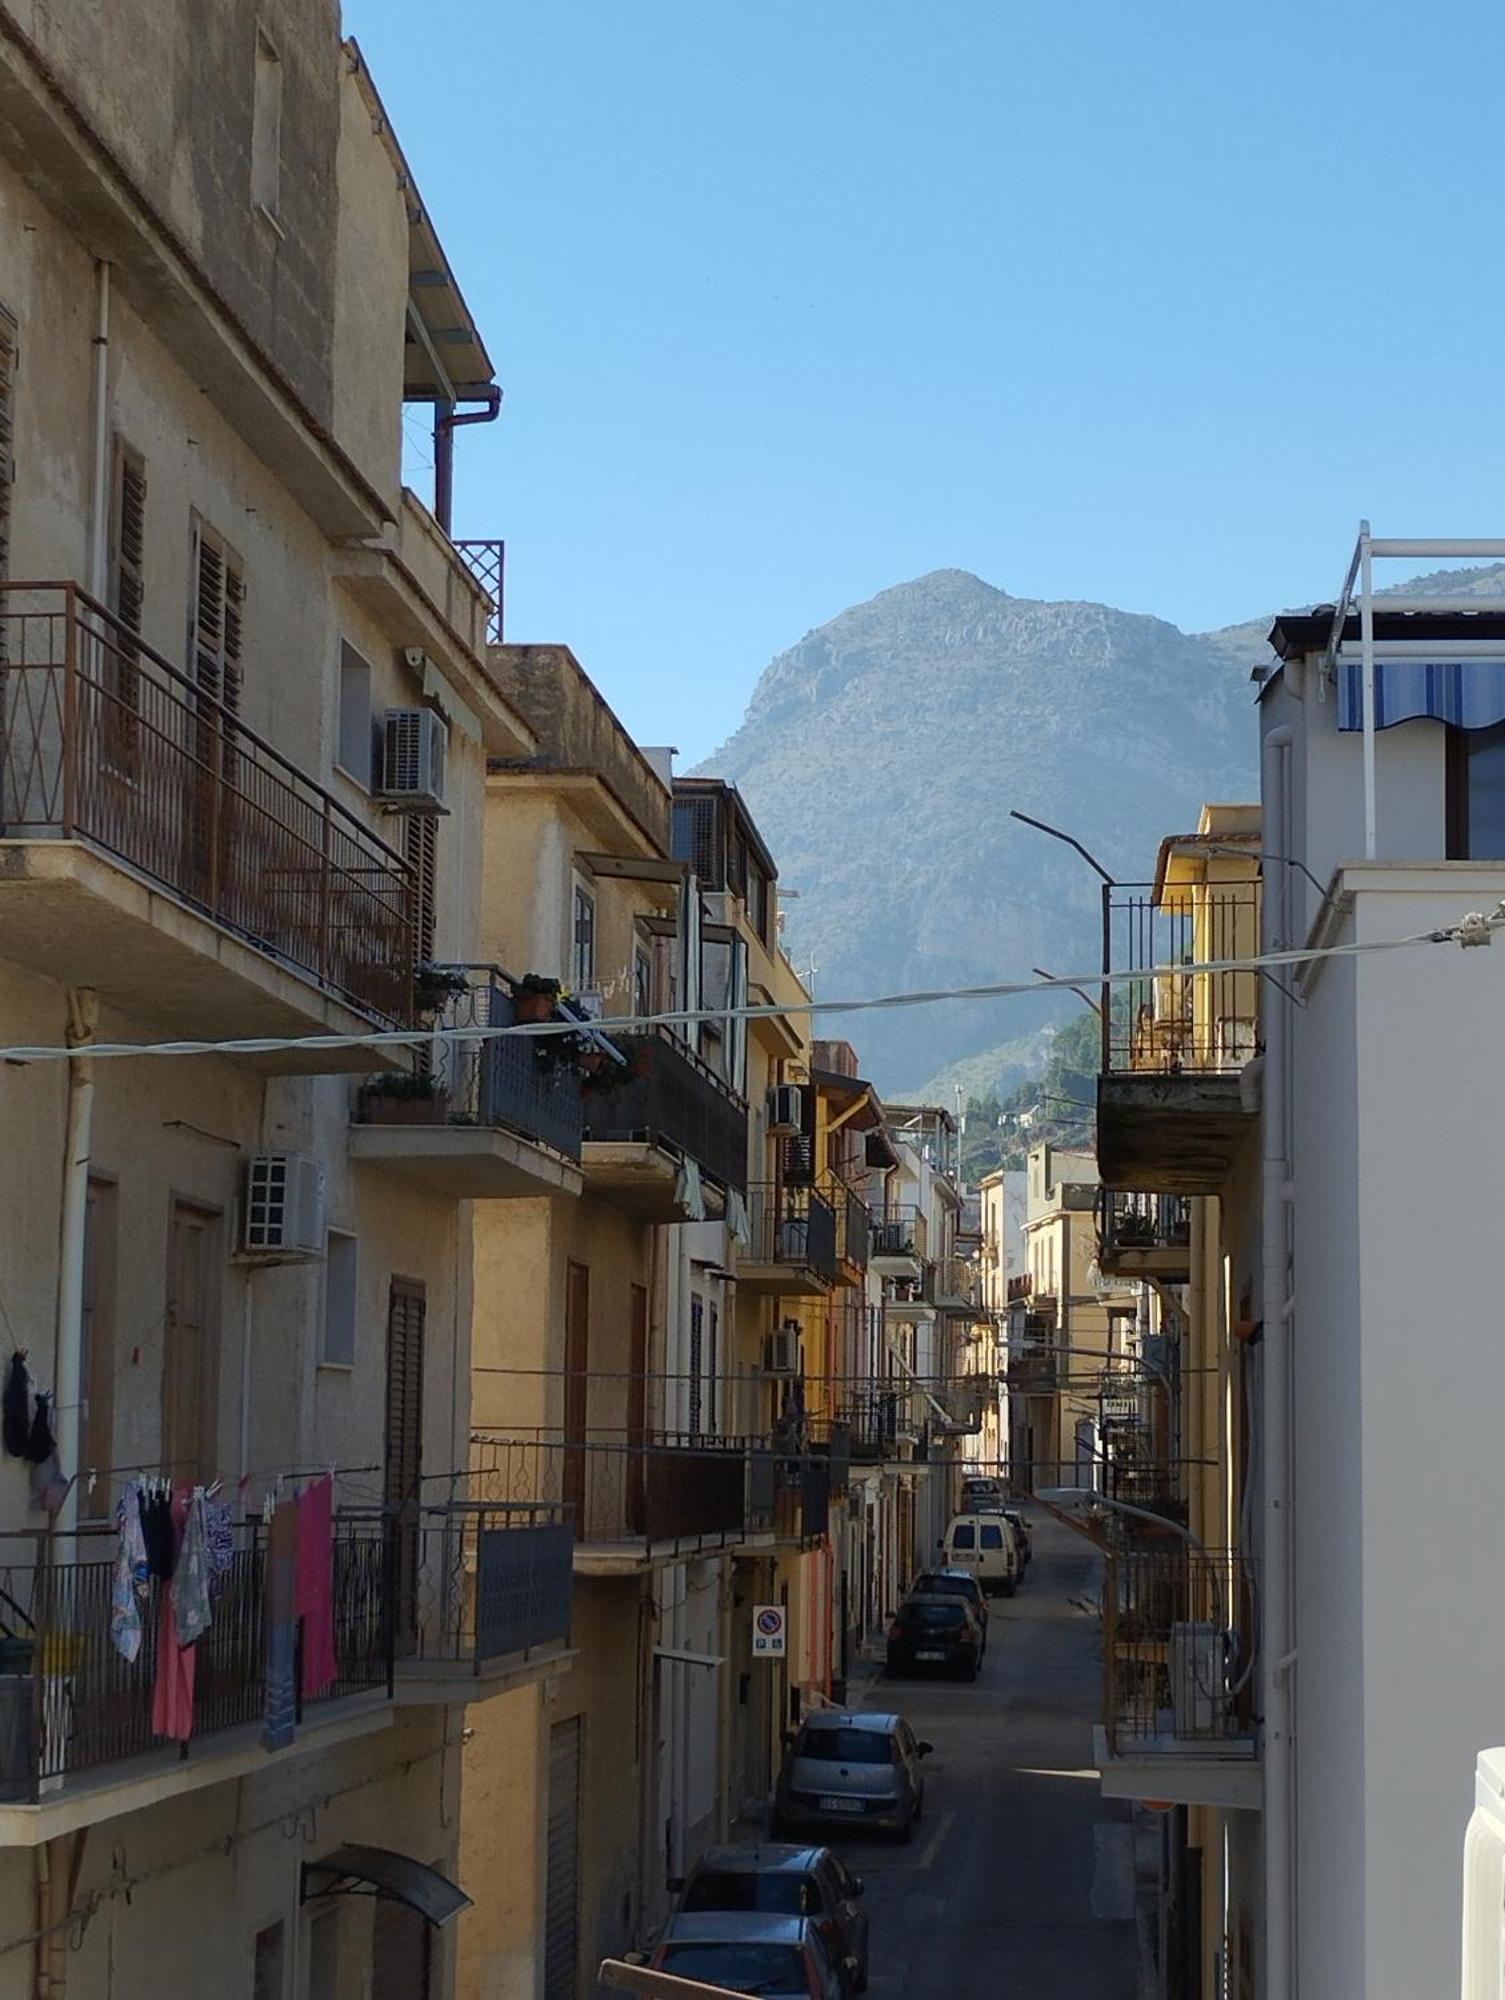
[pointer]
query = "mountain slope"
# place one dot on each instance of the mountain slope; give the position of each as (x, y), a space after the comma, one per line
(881, 755)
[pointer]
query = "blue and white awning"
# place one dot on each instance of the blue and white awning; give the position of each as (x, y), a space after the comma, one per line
(1469, 694)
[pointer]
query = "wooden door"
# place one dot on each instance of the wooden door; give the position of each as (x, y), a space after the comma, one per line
(561, 1964)
(576, 1389)
(401, 1488)
(190, 1352)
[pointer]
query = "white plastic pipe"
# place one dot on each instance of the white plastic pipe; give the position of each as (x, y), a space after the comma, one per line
(1366, 654)
(83, 1021)
(1277, 1638)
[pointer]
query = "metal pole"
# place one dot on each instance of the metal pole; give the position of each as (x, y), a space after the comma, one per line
(1366, 649)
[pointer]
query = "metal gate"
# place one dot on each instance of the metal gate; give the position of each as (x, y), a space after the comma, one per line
(400, 1940)
(562, 1892)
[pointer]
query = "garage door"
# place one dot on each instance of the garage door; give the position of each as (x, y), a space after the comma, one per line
(562, 1892)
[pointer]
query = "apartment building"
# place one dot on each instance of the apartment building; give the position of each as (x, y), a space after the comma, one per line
(245, 713)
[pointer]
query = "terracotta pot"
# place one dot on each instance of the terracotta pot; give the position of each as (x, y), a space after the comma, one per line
(532, 1007)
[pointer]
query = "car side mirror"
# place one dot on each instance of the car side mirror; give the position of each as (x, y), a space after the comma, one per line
(924, 1748)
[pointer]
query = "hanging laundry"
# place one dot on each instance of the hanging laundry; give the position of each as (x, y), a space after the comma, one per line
(130, 1582)
(314, 1595)
(281, 1621)
(219, 1525)
(156, 1529)
(40, 1442)
(15, 1407)
(190, 1576)
(172, 1696)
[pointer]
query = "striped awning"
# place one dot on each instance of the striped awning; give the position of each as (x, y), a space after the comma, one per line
(1469, 694)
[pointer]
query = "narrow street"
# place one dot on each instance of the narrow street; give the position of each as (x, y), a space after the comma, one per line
(1020, 1878)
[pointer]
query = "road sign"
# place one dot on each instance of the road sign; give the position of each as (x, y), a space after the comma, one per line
(769, 1632)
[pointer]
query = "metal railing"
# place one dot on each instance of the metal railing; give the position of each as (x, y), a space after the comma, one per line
(614, 1489)
(1168, 1017)
(487, 563)
(1019, 1289)
(1033, 1370)
(792, 1225)
(873, 1418)
(854, 1224)
(899, 1232)
(1131, 1220)
(1176, 1650)
(102, 740)
(70, 1702)
(958, 1281)
(528, 1084)
(671, 1095)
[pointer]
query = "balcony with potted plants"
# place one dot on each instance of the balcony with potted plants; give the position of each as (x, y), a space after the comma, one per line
(492, 1115)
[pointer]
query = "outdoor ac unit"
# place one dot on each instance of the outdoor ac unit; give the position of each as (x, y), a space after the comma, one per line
(781, 1351)
(411, 770)
(1196, 1664)
(283, 1214)
(786, 1111)
(1484, 1883)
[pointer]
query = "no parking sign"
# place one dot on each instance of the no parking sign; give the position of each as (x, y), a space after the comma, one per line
(769, 1631)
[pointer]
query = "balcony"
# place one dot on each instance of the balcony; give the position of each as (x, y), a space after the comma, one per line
(1179, 1692)
(898, 1243)
(873, 1423)
(958, 1287)
(76, 1716)
(154, 848)
(487, 1119)
(653, 1141)
(1019, 1289)
(854, 1229)
(1033, 1371)
(791, 1251)
(1173, 1102)
(487, 563)
(1144, 1235)
(631, 1505)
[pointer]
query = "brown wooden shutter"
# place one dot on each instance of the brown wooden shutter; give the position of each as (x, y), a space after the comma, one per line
(404, 1415)
(218, 619)
(7, 433)
(128, 552)
(423, 859)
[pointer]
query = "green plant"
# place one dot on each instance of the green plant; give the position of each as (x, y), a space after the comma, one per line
(404, 1084)
(434, 985)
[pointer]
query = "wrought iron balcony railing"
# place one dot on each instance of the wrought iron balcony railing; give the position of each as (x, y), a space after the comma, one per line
(619, 1490)
(794, 1226)
(899, 1232)
(671, 1096)
(854, 1225)
(1131, 1221)
(1169, 1017)
(1177, 1651)
(103, 741)
(873, 1417)
(473, 1583)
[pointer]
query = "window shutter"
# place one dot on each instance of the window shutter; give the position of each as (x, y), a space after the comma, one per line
(130, 537)
(7, 433)
(218, 620)
(423, 859)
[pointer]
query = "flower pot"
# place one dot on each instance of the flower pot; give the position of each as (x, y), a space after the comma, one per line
(533, 1007)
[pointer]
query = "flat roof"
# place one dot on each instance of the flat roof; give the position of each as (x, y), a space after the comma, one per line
(1295, 633)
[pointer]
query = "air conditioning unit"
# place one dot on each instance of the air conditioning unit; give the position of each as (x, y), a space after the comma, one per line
(411, 767)
(282, 1215)
(1484, 1882)
(1198, 1653)
(786, 1111)
(781, 1351)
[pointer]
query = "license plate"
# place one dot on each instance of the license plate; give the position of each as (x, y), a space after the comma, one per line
(841, 1805)
(930, 1656)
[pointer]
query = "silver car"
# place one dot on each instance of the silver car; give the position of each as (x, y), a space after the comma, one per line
(851, 1769)
(779, 1958)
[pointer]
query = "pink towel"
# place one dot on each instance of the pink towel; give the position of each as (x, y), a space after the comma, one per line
(172, 1696)
(314, 1595)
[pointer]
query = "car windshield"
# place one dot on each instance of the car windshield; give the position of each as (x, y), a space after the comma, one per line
(846, 1746)
(935, 1614)
(948, 1586)
(782, 1892)
(744, 1968)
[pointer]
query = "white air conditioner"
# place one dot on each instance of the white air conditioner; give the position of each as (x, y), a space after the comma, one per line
(786, 1111)
(283, 1213)
(781, 1351)
(411, 772)
(1484, 1883)
(1197, 1655)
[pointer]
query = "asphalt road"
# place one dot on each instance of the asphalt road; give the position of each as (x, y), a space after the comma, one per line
(1020, 1878)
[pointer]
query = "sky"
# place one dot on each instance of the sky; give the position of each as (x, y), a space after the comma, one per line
(792, 301)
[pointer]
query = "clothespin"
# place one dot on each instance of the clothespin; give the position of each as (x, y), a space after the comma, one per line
(92, 1478)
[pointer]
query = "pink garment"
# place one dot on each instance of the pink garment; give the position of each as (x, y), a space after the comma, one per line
(314, 1591)
(172, 1696)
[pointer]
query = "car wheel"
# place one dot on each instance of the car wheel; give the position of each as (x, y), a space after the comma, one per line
(1010, 1587)
(906, 1832)
(976, 1668)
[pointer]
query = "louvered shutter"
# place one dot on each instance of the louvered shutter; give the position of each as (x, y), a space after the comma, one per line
(404, 1450)
(7, 434)
(128, 553)
(218, 619)
(423, 859)
(561, 1951)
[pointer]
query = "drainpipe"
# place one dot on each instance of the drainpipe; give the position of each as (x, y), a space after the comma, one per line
(446, 423)
(83, 1020)
(99, 497)
(1277, 1651)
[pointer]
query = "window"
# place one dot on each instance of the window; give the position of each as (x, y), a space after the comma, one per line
(992, 1538)
(697, 1362)
(340, 1268)
(266, 128)
(1476, 794)
(778, 1892)
(583, 964)
(642, 982)
(97, 1376)
(7, 436)
(267, 1961)
(216, 618)
(353, 749)
(964, 1536)
(845, 1746)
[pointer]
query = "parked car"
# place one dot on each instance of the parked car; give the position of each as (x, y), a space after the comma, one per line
(777, 1879)
(779, 1958)
(984, 1544)
(938, 1632)
(955, 1583)
(978, 1488)
(1024, 1535)
(846, 1768)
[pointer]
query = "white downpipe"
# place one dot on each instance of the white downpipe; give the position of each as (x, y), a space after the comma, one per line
(83, 1021)
(1366, 654)
(99, 496)
(1277, 1639)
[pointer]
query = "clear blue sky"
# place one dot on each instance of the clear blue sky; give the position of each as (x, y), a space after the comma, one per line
(795, 299)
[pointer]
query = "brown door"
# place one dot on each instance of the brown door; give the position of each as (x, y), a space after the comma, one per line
(404, 1453)
(576, 1388)
(190, 1355)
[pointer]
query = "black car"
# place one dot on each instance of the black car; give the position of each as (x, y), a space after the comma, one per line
(939, 1633)
(1023, 1535)
(955, 1583)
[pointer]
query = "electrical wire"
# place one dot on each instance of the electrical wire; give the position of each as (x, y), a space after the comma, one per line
(1474, 928)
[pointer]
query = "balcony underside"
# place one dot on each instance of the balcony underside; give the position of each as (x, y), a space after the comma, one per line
(643, 1180)
(1184, 1774)
(634, 1555)
(71, 914)
(781, 1281)
(465, 1162)
(1169, 1262)
(900, 1265)
(1173, 1133)
(444, 1683)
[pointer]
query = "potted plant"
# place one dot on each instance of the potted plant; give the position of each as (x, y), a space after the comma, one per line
(434, 986)
(403, 1097)
(534, 999)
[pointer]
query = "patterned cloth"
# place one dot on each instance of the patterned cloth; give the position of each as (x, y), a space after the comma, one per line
(219, 1525)
(281, 1621)
(131, 1580)
(190, 1579)
(172, 1697)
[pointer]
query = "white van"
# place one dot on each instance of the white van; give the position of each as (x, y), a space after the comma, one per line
(984, 1544)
